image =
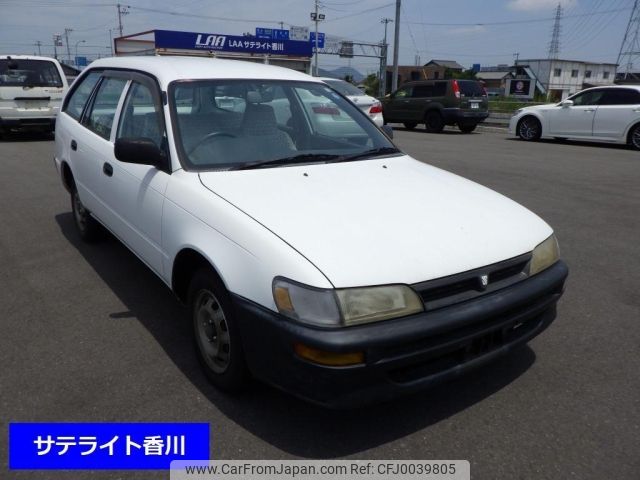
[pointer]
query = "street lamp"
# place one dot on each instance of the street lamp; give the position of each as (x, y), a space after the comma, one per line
(79, 41)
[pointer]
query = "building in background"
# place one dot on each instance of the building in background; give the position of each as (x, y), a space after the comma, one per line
(557, 79)
(433, 70)
(494, 79)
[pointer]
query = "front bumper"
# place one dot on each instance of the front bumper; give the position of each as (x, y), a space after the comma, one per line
(402, 355)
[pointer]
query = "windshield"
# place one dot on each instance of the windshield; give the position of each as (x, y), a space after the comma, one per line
(345, 88)
(233, 124)
(29, 73)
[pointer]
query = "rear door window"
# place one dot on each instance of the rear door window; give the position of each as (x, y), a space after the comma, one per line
(81, 95)
(620, 96)
(103, 109)
(422, 91)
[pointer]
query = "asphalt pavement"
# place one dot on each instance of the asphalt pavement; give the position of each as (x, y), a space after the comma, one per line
(88, 334)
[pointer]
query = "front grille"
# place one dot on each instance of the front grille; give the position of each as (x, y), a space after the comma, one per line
(461, 287)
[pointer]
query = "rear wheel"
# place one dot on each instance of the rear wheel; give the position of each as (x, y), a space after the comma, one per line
(433, 122)
(529, 129)
(216, 335)
(634, 137)
(467, 128)
(88, 227)
(410, 125)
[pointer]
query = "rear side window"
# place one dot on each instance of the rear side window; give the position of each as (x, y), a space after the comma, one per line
(80, 95)
(29, 73)
(105, 103)
(469, 88)
(621, 97)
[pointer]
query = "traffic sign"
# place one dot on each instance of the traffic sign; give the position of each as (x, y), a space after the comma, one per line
(272, 33)
(312, 39)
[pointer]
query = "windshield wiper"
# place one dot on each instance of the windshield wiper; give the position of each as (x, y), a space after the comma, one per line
(367, 153)
(302, 158)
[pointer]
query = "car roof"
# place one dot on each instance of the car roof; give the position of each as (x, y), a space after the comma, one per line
(26, 57)
(169, 68)
(599, 87)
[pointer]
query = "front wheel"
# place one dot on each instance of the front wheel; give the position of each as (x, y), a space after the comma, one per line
(634, 137)
(529, 129)
(433, 122)
(88, 227)
(216, 335)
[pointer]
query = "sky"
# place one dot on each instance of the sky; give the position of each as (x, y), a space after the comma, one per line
(488, 32)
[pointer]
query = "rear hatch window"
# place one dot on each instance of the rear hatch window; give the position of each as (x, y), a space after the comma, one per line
(29, 73)
(469, 88)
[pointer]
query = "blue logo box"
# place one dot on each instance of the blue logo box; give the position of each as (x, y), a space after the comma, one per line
(105, 446)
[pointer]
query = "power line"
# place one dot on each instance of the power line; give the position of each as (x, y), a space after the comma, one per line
(515, 22)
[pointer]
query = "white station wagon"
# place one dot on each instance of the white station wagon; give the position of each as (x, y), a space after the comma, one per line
(600, 114)
(323, 261)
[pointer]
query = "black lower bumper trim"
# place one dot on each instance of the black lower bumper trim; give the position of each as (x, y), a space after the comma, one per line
(401, 355)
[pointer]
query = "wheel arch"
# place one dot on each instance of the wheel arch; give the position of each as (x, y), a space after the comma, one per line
(186, 263)
(67, 177)
(630, 131)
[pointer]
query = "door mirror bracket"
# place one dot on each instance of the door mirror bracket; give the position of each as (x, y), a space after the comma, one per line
(141, 151)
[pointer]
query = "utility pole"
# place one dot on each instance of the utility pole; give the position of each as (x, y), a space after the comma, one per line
(517, 56)
(630, 48)
(39, 43)
(110, 42)
(396, 49)
(67, 31)
(382, 87)
(281, 25)
(122, 10)
(316, 17)
(57, 42)
(554, 45)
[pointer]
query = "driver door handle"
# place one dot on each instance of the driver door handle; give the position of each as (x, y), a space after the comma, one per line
(107, 169)
(74, 145)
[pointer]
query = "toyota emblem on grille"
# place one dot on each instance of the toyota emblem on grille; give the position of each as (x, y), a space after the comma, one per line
(484, 281)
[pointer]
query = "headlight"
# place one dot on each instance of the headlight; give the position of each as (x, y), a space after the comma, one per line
(344, 307)
(544, 255)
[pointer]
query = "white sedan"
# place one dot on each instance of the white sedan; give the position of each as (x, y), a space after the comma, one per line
(602, 114)
(321, 260)
(368, 104)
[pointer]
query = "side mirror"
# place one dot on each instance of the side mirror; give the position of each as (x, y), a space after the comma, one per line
(388, 131)
(142, 151)
(566, 103)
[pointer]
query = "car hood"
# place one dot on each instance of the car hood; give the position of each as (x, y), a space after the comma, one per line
(381, 221)
(547, 106)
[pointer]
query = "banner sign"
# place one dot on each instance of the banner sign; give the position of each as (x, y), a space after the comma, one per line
(229, 43)
(93, 446)
(519, 87)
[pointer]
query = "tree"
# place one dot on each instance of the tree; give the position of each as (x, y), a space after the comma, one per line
(372, 84)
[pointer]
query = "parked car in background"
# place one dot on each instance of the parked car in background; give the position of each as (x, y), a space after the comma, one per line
(333, 266)
(436, 103)
(369, 105)
(31, 91)
(602, 114)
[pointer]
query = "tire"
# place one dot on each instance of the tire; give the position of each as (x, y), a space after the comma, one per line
(433, 122)
(467, 128)
(634, 137)
(215, 332)
(410, 125)
(529, 129)
(88, 228)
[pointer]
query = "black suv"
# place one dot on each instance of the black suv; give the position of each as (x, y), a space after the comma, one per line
(437, 103)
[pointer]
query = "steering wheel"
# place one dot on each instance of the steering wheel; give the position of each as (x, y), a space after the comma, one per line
(208, 137)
